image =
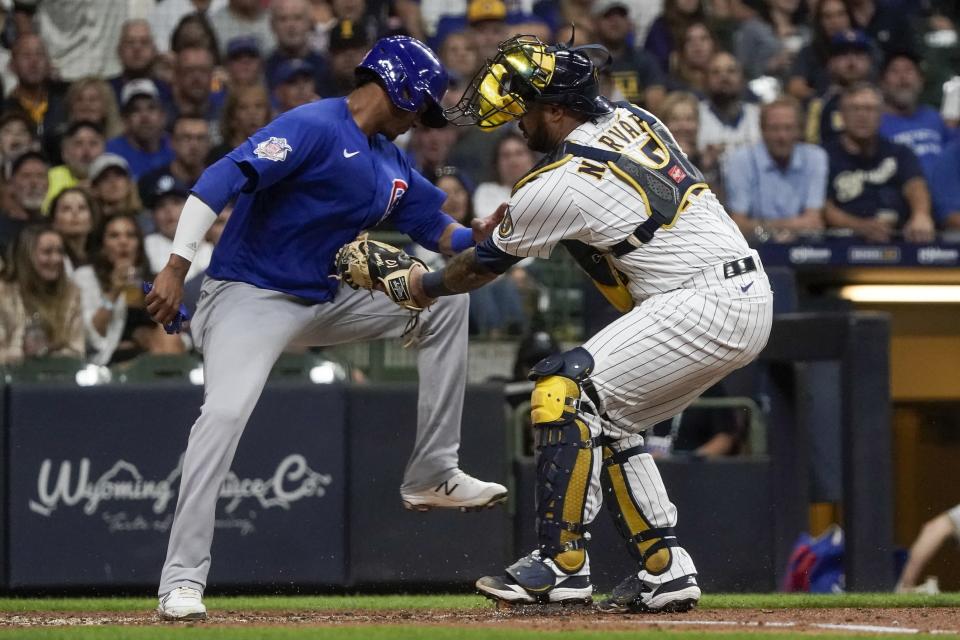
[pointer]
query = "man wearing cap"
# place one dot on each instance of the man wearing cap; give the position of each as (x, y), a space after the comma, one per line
(905, 120)
(26, 190)
(292, 23)
(242, 18)
(143, 144)
(305, 185)
(635, 73)
(850, 62)
(294, 85)
(138, 56)
(81, 144)
(191, 144)
(244, 63)
(451, 16)
(348, 45)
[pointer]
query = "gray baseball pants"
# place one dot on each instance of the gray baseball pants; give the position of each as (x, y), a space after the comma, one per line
(242, 330)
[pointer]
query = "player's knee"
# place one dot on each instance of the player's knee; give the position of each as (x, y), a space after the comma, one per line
(558, 383)
(224, 415)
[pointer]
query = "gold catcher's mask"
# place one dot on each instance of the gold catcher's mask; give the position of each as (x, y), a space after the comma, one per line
(527, 70)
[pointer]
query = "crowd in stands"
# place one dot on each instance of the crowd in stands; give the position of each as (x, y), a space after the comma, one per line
(805, 115)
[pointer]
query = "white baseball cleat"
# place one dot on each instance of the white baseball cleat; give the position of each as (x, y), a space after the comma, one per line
(459, 491)
(183, 603)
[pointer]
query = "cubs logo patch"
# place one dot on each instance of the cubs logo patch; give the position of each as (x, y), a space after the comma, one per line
(273, 148)
(399, 188)
(506, 226)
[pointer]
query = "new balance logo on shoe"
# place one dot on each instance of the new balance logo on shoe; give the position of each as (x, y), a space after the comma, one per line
(446, 488)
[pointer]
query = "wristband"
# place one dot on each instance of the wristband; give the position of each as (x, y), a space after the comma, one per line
(433, 285)
(461, 239)
(107, 303)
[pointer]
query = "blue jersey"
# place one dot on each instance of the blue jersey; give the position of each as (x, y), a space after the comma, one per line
(924, 132)
(314, 182)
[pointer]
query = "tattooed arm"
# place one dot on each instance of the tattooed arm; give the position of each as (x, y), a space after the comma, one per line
(468, 270)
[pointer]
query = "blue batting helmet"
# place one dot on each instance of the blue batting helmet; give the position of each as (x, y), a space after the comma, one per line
(411, 74)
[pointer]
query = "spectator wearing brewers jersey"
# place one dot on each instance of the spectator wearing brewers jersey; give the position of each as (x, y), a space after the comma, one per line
(634, 72)
(777, 187)
(945, 185)
(905, 120)
(875, 186)
(726, 119)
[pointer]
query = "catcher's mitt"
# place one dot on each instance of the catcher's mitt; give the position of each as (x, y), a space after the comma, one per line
(368, 264)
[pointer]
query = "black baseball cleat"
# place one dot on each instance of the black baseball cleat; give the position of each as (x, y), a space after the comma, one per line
(532, 580)
(633, 595)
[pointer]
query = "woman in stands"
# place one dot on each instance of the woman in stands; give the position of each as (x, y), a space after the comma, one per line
(39, 306)
(118, 327)
(74, 213)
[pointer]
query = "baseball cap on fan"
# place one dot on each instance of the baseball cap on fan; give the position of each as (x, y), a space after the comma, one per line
(486, 10)
(290, 70)
(603, 7)
(346, 34)
(141, 87)
(107, 161)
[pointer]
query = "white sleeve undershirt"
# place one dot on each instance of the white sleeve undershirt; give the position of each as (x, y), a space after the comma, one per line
(195, 220)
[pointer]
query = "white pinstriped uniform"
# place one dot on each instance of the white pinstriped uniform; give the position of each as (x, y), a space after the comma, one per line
(690, 326)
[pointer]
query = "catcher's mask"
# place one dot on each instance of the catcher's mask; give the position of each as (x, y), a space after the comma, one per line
(525, 70)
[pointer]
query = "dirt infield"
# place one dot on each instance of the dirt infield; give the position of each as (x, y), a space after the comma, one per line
(935, 620)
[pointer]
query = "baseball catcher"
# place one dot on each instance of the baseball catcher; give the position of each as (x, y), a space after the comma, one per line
(616, 189)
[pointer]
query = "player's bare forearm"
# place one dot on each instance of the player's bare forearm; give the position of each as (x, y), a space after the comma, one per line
(463, 273)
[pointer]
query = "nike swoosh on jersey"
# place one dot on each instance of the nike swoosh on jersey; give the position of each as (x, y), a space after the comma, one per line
(350, 154)
(746, 287)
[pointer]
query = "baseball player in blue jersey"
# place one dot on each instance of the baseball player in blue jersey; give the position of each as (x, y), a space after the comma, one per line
(306, 185)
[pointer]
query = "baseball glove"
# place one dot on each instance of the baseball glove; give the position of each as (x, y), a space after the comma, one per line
(368, 264)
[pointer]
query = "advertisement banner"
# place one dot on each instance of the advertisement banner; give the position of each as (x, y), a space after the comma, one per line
(94, 477)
